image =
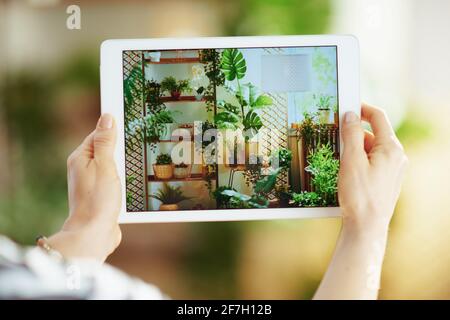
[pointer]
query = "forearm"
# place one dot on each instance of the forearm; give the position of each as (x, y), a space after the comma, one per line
(355, 269)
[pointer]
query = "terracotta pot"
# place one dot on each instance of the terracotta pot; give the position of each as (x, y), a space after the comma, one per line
(175, 94)
(168, 207)
(163, 171)
(336, 118)
(274, 203)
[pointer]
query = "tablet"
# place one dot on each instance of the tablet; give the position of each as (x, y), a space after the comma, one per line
(229, 128)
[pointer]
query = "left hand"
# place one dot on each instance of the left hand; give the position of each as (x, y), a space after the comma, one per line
(92, 230)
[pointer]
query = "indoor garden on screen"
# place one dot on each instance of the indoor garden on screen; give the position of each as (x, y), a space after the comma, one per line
(231, 128)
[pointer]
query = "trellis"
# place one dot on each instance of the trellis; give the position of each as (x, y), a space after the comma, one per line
(135, 151)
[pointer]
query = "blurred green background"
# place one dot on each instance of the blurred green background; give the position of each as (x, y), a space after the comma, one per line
(49, 100)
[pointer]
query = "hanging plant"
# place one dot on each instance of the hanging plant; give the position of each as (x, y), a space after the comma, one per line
(211, 59)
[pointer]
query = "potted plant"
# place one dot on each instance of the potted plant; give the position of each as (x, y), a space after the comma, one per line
(153, 92)
(199, 93)
(323, 104)
(174, 87)
(182, 170)
(170, 197)
(324, 168)
(163, 167)
(243, 111)
(165, 124)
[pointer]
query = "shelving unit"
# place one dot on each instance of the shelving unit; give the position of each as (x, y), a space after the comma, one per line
(189, 100)
(182, 99)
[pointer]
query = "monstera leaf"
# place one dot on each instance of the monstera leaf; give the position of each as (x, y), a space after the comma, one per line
(252, 121)
(226, 120)
(226, 106)
(233, 64)
(261, 102)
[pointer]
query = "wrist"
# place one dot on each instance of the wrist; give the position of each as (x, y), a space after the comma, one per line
(370, 230)
(79, 244)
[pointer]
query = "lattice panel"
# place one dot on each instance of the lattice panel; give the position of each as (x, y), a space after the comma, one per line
(275, 119)
(134, 155)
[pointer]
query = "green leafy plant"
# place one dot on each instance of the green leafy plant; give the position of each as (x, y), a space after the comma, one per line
(324, 101)
(181, 165)
(169, 195)
(324, 168)
(133, 87)
(171, 85)
(200, 90)
(307, 199)
(282, 157)
(163, 158)
(129, 195)
(242, 201)
(151, 126)
(133, 93)
(233, 64)
(266, 184)
(311, 129)
(153, 92)
(211, 59)
(222, 199)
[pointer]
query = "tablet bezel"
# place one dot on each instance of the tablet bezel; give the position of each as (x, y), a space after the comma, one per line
(111, 75)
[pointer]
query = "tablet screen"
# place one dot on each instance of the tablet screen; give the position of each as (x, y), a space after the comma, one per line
(235, 128)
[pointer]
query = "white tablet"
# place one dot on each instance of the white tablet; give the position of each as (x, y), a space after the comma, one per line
(237, 128)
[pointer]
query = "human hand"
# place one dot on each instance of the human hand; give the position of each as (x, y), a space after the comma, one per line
(371, 171)
(91, 230)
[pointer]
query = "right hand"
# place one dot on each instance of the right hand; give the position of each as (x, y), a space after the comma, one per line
(371, 171)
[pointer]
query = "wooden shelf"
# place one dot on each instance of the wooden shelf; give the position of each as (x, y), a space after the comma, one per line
(193, 177)
(174, 60)
(182, 99)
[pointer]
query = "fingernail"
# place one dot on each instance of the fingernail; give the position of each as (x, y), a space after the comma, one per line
(106, 121)
(350, 117)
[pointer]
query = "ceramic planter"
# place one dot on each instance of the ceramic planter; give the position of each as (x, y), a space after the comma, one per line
(324, 115)
(155, 56)
(182, 172)
(163, 171)
(168, 207)
(199, 97)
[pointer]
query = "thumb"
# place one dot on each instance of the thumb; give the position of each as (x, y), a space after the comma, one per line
(352, 135)
(105, 138)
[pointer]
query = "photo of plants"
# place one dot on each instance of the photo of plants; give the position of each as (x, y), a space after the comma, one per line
(231, 128)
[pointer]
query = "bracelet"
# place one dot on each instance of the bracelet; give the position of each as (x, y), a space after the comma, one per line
(42, 242)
